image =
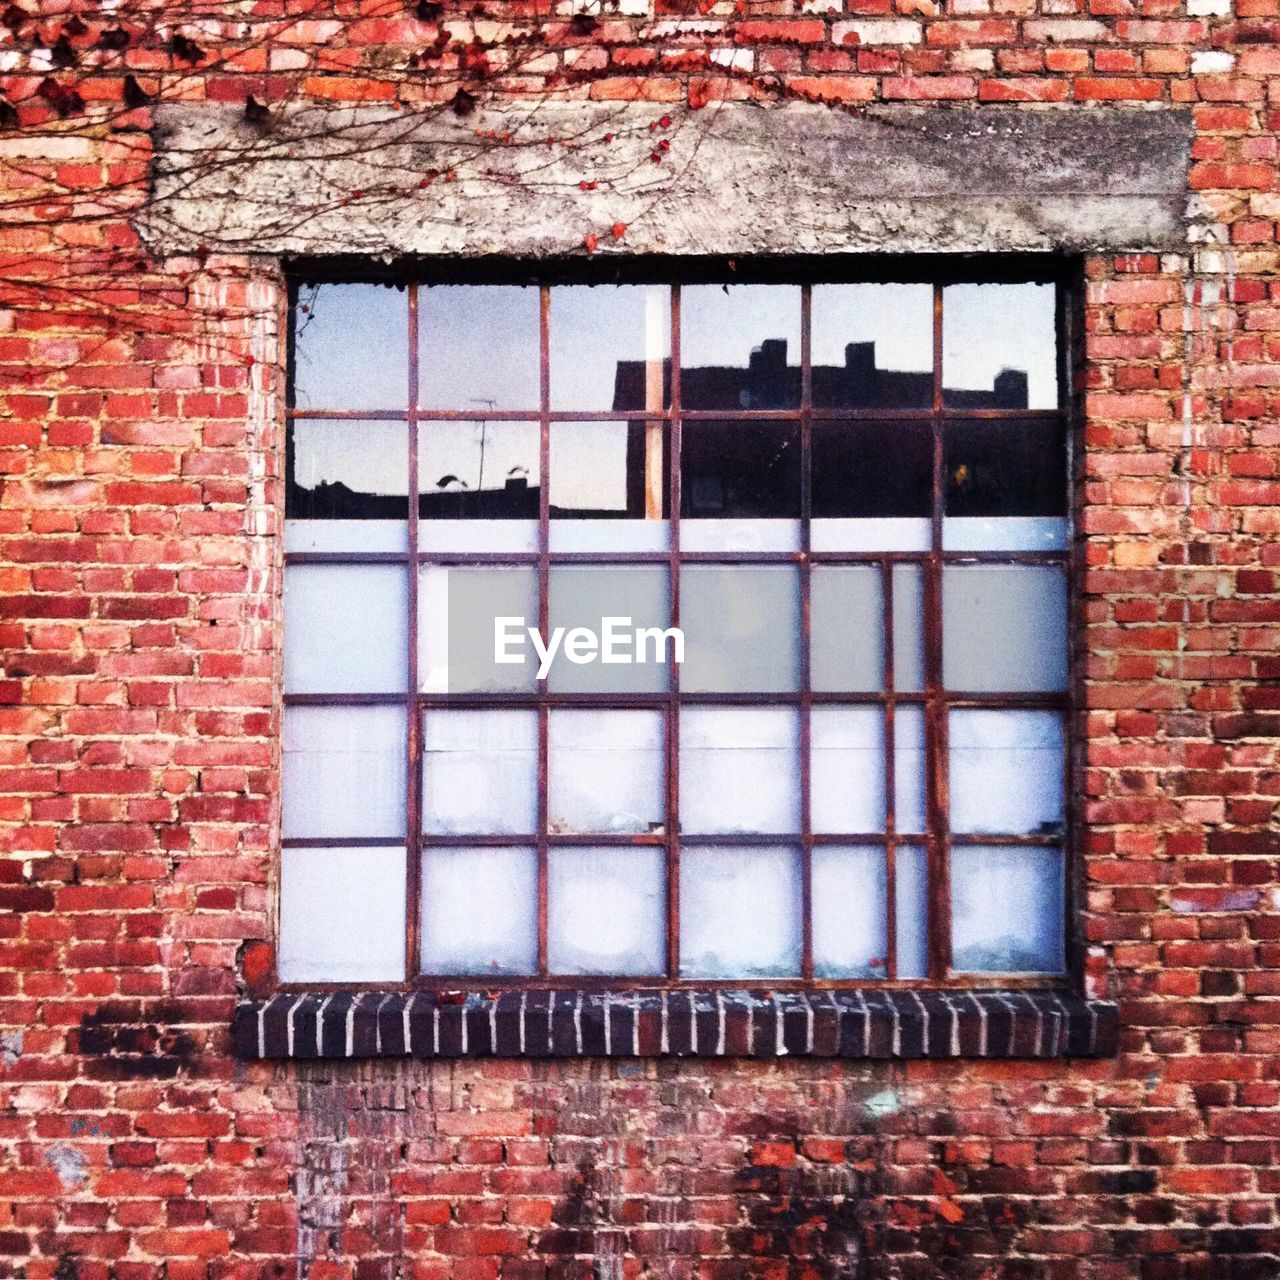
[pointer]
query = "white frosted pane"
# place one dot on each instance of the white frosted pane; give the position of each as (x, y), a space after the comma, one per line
(346, 628)
(1006, 771)
(478, 535)
(1006, 910)
(480, 772)
(847, 769)
(610, 535)
(850, 919)
(740, 535)
(741, 627)
(606, 771)
(908, 628)
(739, 769)
(846, 623)
(740, 912)
(342, 915)
(1004, 332)
(908, 769)
(1004, 628)
(606, 911)
(608, 344)
(911, 905)
(346, 535)
(344, 771)
(1004, 533)
(351, 347)
(479, 346)
(890, 533)
(479, 911)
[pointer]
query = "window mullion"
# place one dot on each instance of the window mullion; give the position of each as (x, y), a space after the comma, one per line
(672, 743)
(413, 841)
(544, 605)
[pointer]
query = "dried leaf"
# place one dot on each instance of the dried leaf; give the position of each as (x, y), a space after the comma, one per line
(116, 39)
(427, 11)
(8, 115)
(13, 17)
(463, 103)
(185, 49)
(134, 94)
(62, 54)
(254, 111)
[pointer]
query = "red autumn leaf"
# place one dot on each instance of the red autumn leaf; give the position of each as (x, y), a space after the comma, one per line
(590, 241)
(665, 122)
(619, 230)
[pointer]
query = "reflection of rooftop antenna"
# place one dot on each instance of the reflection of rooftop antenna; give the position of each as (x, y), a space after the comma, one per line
(484, 422)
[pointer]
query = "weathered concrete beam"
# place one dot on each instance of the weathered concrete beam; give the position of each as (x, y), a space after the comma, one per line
(739, 179)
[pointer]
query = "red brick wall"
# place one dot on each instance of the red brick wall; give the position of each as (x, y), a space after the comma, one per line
(140, 500)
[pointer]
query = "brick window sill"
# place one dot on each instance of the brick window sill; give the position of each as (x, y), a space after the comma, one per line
(900, 1024)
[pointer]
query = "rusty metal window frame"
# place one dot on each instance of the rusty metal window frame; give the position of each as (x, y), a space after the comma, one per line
(936, 700)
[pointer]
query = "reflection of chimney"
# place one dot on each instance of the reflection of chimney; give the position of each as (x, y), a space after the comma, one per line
(860, 372)
(1011, 389)
(519, 483)
(767, 371)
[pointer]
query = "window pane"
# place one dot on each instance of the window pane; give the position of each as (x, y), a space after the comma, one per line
(850, 921)
(736, 343)
(606, 911)
(741, 627)
(846, 623)
(480, 911)
(351, 347)
(479, 347)
(908, 769)
(908, 628)
(1006, 772)
(346, 486)
(606, 771)
(847, 769)
(1004, 628)
(739, 769)
(342, 916)
(1006, 910)
(457, 624)
(610, 347)
(344, 771)
(999, 346)
(872, 346)
(911, 904)
(480, 772)
(346, 628)
(740, 913)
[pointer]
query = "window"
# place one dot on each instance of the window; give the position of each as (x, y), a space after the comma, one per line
(850, 496)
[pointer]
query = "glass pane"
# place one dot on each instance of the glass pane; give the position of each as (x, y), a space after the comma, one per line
(999, 346)
(606, 771)
(735, 343)
(351, 347)
(850, 920)
(911, 905)
(342, 916)
(480, 772)
(606, 911)
(346, 628)
(872, 346)
(1004, 628)
(847, 769)
(479, 347)
(344, 771)
(741, 628)
(908, 769)
(1007, 910)
(638, 600)
(610, 347)
(739, 769)
(846, 624)
(880, 472)
(1007, 772)
(463, 629)
(908, 628)
(347, 486)
(740, 913)
(479, 911)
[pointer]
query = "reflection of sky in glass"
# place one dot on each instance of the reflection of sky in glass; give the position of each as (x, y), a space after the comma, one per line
(592, 329)
(722, 324)
(479, 347)
(476, 455)
(898, 318)
(351, 347)
(367, 457)
(589, 466)
(990, 327)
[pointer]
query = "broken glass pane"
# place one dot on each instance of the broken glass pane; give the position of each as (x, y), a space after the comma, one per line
(740, 912)
(606, 771)
(342, 915)
(1004, 628)
(480, 772)
(908, 770)
(850, 921)
(846, 623)
(742, 628)
(999, 346)
(739, 769)
(479, 911)
(344, 771)
(351, 347)
(606, 911)
(1006, 771)
(908, 628)
(847, 769)
(1007, 909)
(911, 906)
(346, 628)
